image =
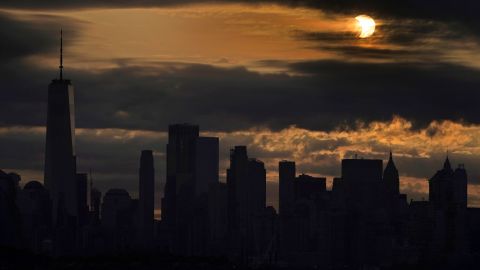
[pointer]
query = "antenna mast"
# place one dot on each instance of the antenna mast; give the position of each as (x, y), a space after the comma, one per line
(61, 54)
(91, 189)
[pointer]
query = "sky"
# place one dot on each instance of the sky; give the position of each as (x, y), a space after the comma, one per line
(290, 79)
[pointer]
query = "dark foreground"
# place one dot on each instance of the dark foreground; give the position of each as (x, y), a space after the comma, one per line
(21, 259)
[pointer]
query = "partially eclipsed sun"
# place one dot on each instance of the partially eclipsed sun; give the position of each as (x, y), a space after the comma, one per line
(366, 25)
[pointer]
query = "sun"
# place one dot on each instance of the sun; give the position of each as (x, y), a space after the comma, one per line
(366, 25)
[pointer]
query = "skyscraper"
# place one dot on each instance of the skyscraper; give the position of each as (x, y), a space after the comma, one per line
(60, 162)
(177, 203)
(367, 225)
(308, 187)
(257, 185)
(286, 175)
(146, 196)
(82, 179)
(286, 199)
(206, 164)
(246, 184)
(448, 197)
(180, 165)
(237, 187)
(205, 175)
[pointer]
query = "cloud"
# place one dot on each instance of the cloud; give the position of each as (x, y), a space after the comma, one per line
(447, 10)
(113, 154)
(399, 40)
(321, 98)
(32, 34)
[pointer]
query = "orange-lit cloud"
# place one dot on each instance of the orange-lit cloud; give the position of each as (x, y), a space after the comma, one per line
(418, 152)
(244, 34)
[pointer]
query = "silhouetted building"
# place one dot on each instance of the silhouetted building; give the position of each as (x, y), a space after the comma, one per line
(177, 204)
(309, 187)
(395, 204)
(116, 203)
(192, 165)
(448, 196)
(286, 172)
(60, 164)
(257, 184)
(146, 197)
(180, 165)
(419, 230)
(303, 227)
(205, 176)
(286, 202)
(369, 229)
(95, 200)
(10, 222)
(391, 178)
(82, 184)
(36, 215)
(237, 203)
(206, 163)
(246, 183)
(473, 226)
(117, 220)
(218, 216)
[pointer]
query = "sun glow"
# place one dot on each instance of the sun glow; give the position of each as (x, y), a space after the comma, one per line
(366, 25)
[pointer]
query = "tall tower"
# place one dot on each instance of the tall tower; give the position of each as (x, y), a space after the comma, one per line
(286, 175)
(60, 162)
(180, 167)
(146, 196)
(179, 192)
(206, 164)
(237, 176)
(448, 197)
(257, 182)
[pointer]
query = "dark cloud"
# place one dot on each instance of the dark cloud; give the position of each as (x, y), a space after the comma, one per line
(408, 40)
(328, 95)
(464, 10)
(357, 52)
(32, 34)
(326, 36)
(420, 31)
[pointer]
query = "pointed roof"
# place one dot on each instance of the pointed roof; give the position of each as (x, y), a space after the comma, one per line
(446, 164)
(390, 160)
(391, 165)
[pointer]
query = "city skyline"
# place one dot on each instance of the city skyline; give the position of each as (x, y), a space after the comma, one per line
(317, 131)
(296, 135)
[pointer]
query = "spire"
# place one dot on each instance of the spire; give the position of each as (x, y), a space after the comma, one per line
(91, 190)
(390, 164)
(391, 177)
(61, 54)
(446, 164)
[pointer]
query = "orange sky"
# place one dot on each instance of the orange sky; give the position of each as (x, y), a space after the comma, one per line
(223, 34)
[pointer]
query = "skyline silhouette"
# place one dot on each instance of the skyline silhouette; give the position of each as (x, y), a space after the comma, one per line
(243, 161)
